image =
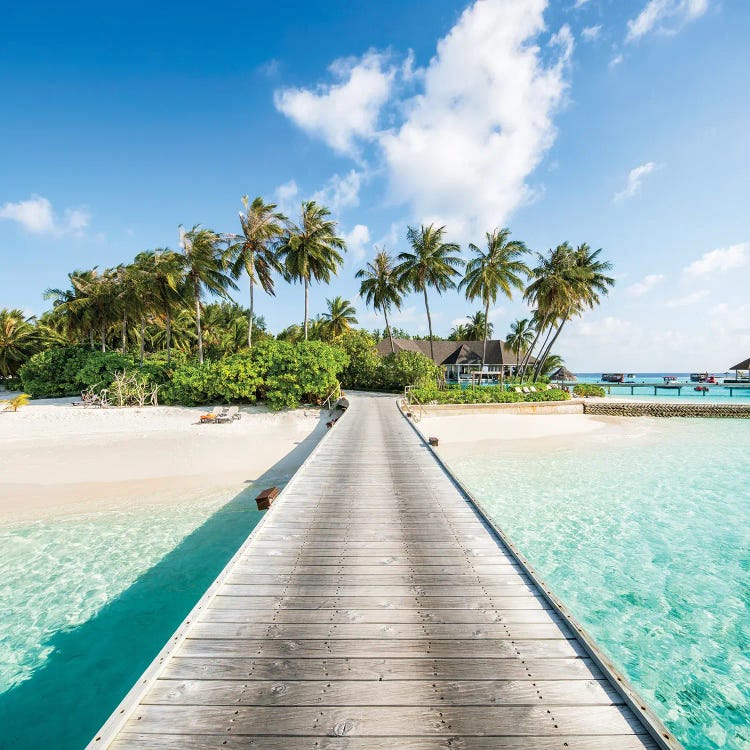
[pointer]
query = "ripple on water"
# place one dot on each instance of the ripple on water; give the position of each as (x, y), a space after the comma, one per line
(647, 540)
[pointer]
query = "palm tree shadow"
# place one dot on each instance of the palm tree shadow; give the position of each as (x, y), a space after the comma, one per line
(93, 665)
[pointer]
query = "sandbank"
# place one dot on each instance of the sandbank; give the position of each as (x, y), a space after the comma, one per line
(57, 459)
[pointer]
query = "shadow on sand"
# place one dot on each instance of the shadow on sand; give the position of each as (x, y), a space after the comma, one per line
(94, 664)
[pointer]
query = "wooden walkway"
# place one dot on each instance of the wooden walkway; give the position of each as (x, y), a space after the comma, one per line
(374, 609)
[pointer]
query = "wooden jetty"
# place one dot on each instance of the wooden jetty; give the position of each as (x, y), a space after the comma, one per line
(375, 607)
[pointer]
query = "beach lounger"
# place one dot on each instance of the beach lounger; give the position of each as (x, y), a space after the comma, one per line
(526, 390)
(518, 390)
(532, 389)
(229, 415)
(214, 414)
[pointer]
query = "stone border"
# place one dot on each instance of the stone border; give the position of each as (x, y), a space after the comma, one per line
(640, 409)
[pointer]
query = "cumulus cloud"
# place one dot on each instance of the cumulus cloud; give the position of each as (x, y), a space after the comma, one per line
(37, 216)
(689, 299)
(339, 113)
(635, 178)
(340, 192)
(463, 147)
(357, 241)
(665, 16)
(644, 285)
(615, 61)
(484, 119)
(287, 197)
(721, 259)
(590, 33)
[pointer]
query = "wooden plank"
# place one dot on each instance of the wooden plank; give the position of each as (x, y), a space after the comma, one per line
(348, 580)
(139, 741)
(280, 692)
(370, 721)
(351, 631)
(553, 648)
(368, 668)
(216, 613)
(520, 600)
(427, 590)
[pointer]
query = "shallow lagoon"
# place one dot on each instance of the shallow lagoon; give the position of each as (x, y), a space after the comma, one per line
(88, 601)
(647, 539)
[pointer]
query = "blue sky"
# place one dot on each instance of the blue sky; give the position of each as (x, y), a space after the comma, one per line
(621, 123)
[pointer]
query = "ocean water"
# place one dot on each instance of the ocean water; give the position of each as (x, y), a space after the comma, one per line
(643, 530)
(87, 602)
(716, 393)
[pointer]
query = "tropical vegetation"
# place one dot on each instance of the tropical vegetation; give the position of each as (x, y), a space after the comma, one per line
(167, 320)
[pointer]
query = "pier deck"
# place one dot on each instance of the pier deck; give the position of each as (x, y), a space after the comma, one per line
(374, 608)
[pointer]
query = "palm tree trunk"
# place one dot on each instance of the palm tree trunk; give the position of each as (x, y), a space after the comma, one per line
(169, 335)
(527, 355)
(124, 331)
(103, 333)
(198, 320)
(546, 353)
(307, 302)
(388, 329)
(540, 358)
(484, 343)
(429, 321)
(252, 317)
(91, 338)
(143, 339)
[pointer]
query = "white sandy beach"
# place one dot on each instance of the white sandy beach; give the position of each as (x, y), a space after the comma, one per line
(57, 459)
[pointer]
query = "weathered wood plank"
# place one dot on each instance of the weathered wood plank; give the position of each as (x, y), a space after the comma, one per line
(368, 668)
(371, 721)
(519, 600)
(281, 692)
(358, 631)
(553, 648)
(139, 741)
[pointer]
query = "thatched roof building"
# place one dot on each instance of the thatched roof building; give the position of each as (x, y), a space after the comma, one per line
(744, 365)
(563, 373)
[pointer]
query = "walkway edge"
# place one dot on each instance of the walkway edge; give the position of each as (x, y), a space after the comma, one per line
(111, 728)
(658, 731)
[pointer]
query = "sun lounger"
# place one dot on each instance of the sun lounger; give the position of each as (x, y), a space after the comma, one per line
(231, 413)
(214, 415)
(526, 389)
(532, 389)
(518, 390)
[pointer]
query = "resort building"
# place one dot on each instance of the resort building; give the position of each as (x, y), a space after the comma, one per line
(460, 358)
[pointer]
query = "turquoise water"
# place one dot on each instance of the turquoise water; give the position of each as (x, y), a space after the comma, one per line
(643, 530)
(716, 393)
(87, 602)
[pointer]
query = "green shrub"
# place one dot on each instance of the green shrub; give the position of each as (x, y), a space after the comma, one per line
(364, 367)
(489, 394)
(293, 374)
(191, 385)
(67, 370)
(407, 368)
(588, 389)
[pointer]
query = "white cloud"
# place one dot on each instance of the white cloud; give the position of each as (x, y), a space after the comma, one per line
(357, 240)
(581, 3)
(689, 299)
(591, 32)
(342, 112)
(644, 285)
(615, 61)
(36, 215)
(287, 197)
(721, 259)
(665, 16)
(340, 192)
(484, 120)
(635, 177)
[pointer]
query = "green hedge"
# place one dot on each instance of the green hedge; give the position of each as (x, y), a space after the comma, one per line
(490, 394)
(67, 370)
(588, 389)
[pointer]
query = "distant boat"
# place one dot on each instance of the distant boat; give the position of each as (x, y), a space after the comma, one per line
(613, 377)
(669, 378)
(698, 377)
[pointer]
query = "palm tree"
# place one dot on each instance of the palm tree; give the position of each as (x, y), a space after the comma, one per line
(129, 297)
(380, 288)
(431, 263)
(340, 318)
(311, 250)
(580, 282)
(499, 268)
(256, 252)
(478, 327)
(206, 270)
(18, 341)
(70, 305)
(520, 337)
(162, 282)
(459, 332)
